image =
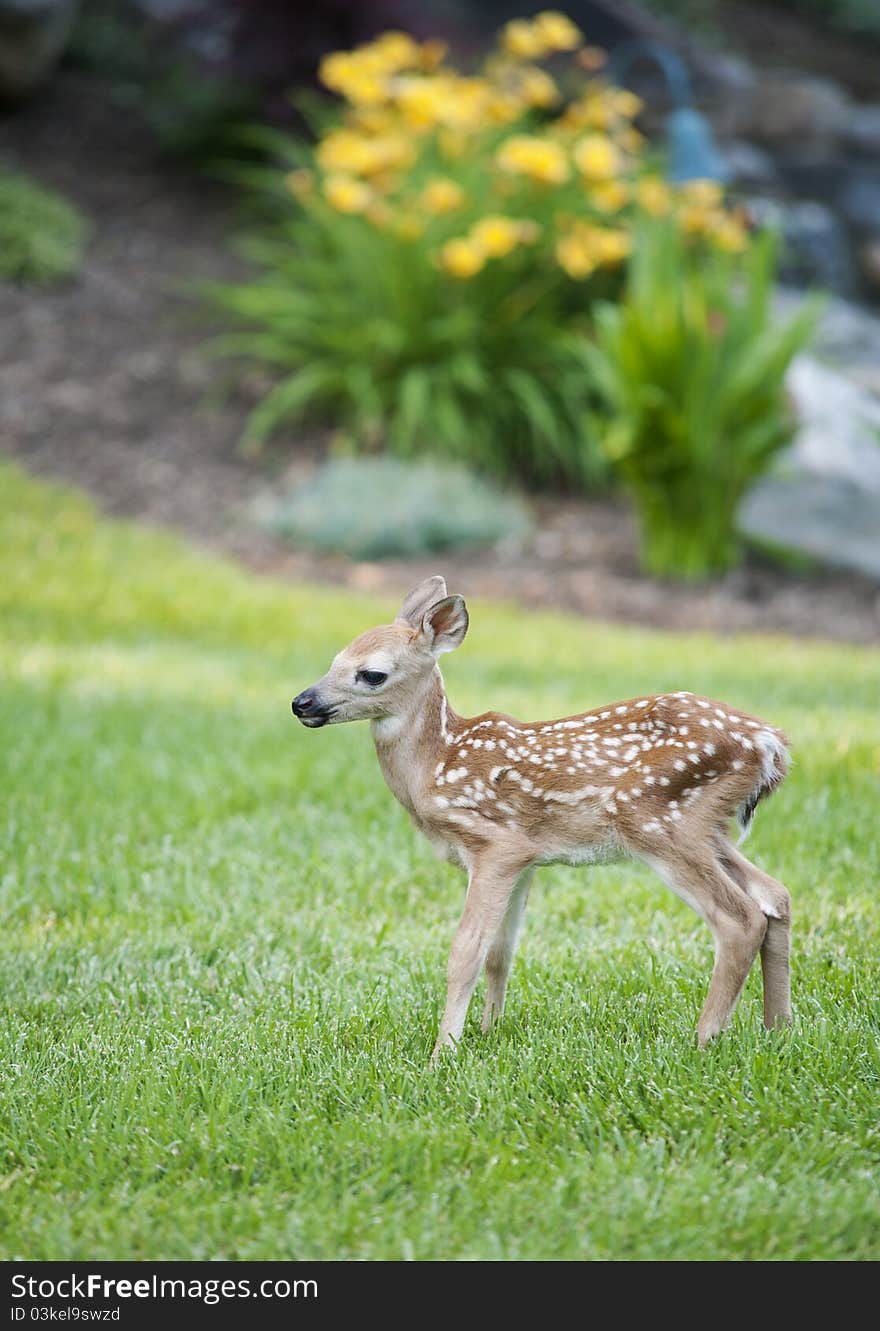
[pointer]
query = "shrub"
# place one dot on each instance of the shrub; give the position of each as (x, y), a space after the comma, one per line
(691, 370)
(429, 277)
(41, 236)
(379, 508)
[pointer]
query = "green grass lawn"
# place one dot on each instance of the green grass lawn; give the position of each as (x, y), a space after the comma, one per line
(223, 947)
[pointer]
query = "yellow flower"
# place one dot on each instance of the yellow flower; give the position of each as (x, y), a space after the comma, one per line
(497, 236)
(613, 246)
(589, 111)
(441, 195)
(522, 39)
(630, 139)
(432, 54)
(729, 234)
(536, 87)
(346, 194)
(584, 248)
(396, 50)
(610, 195)
(702, 193)
(341, 150)
(301, 182)
(461, 258)
(502, 108)
(444, 99)
(624, 103)
(576, 256)
(653, 196)
(452, 144)
(349, 74)
(540, 159)
(336, 69)
(596, 157)
(697, 220)
(379, 214)
(557, 31)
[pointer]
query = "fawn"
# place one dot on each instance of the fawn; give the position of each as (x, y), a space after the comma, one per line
(657, 777)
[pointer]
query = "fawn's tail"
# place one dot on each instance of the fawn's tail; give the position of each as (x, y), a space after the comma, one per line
(775, 761)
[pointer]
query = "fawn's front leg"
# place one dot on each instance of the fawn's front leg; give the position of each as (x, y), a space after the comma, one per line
(489, 893)
(500, 957)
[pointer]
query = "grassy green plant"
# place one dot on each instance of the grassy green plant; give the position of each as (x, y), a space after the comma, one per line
(223, 947)
(691, 367)
(41, 235)
(379, 508)
(363, 333)
(427, 280)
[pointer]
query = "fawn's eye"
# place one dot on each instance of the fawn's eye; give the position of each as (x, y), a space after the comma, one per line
(372, 677)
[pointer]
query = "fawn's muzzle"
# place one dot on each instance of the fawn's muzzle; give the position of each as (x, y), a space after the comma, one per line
(310, 709)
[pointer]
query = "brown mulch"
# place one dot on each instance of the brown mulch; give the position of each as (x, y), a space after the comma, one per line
(104, 383)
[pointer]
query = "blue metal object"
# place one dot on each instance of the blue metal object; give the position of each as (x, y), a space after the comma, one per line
(692, 151)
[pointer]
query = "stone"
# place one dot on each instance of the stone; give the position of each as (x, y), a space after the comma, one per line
(858, 199)
(789, 107)
(750, 166)
(33, 34)
(724, 86)
(862, 131)
(839, 430)
(847, 337)
(823, 497)
(817, 250)
(812, 170)
(831, 521)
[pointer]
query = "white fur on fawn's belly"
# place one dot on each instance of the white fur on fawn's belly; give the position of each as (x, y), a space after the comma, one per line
(603, 852)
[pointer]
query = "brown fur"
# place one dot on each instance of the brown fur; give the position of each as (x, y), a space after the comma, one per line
(658, 776)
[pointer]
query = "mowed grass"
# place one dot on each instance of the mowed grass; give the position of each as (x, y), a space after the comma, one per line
(223, 947)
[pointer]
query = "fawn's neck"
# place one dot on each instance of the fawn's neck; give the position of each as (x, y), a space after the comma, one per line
(410, 745)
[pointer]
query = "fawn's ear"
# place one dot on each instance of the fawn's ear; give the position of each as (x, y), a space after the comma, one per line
(445, 624)
(420, 599)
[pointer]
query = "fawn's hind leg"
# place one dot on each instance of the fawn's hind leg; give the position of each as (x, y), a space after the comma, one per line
(736, 921)
(774, 900)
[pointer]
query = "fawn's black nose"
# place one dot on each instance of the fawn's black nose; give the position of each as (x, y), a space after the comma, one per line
(306, 703)
(311, 709)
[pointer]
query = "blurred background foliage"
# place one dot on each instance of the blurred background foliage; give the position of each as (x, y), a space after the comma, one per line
(431, 281)
(461, 227)
(41, 235)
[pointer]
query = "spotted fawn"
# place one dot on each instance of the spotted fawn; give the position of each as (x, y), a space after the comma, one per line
(658, 777)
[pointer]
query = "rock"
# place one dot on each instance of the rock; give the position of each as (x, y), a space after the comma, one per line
(33, 34)
(862, 130)
(788, 107)
(831, 521)
(750, 166)
(848, 337)
(824, 496)
(812, 170)
(839, 432)
(817, 249)
(724, 86)
(858, 198)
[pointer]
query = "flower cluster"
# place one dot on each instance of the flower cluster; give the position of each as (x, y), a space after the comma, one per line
(475, 167)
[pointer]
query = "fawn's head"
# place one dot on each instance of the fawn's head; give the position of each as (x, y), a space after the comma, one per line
(383, 672)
